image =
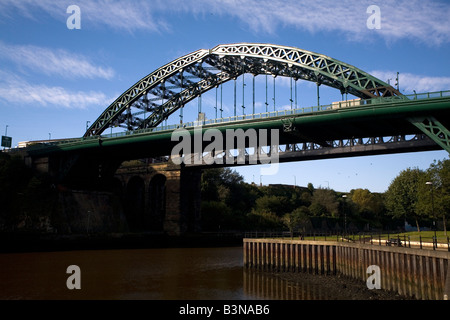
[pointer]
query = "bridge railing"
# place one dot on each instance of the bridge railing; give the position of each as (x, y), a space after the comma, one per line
(273, 114)
(413, 96)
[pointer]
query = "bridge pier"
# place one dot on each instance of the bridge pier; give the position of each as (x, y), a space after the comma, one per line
(151, 195)
(160, 197)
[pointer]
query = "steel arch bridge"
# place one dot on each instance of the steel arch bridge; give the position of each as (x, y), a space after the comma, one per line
(156, 96)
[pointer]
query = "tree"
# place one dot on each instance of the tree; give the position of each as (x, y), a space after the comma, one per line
(367, 206)
(441, 170)
(216, 216)
(324, 203)
(277, 205)
(263, 220)
(225, 190)
(402, 195)
(363, 198)
(298, 218)
(216, 181)
(290, 220)
(310, 188)
(434, 199)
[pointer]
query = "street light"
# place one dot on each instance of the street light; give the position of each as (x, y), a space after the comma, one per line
(345, 215)
(432, 211)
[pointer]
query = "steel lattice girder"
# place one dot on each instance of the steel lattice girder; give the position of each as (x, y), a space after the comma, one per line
(202, 70)
(435, 130)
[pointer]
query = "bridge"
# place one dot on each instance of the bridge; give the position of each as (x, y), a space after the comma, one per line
(379, 120)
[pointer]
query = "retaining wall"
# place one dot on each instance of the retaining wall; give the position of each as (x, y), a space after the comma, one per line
(423, 274)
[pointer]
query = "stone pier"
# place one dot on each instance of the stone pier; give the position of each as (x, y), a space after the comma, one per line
(160, 196)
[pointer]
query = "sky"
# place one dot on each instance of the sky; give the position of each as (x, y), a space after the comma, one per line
(60, 68)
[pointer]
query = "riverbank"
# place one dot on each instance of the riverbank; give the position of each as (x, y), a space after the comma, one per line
(340, 287)
(29, 242)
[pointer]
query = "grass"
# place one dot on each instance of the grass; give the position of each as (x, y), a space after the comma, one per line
(427, 236)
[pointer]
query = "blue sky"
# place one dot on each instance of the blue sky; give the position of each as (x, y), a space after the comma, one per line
(54, 79)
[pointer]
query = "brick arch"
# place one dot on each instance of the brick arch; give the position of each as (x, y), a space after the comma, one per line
(134, 202)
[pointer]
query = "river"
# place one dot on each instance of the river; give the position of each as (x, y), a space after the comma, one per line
(156, 274)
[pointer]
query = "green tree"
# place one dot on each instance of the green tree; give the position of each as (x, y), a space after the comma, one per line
(263, 220)
(298, 218)
(278, 205)
(364, 199)
(324, 203)
(311, 188)
(225, 190)
(216, 215)
(368, 207)
(434, 199)
(402, 195)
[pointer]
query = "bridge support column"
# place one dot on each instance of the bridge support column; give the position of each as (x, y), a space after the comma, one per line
(183, 201)
(172, 197)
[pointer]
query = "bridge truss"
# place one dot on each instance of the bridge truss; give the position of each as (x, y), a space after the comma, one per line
(314, 151)
(158, 95)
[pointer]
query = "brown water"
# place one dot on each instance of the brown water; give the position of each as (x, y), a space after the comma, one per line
(174, 273)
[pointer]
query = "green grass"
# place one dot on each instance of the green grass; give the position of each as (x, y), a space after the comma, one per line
(427, 236)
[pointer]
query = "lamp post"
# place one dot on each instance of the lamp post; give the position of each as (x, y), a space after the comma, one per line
(432, 212)
(6, 134)
(345, 216)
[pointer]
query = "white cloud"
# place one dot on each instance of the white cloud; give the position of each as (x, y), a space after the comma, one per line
(416, 20)
(51, 62)
(409, 82)
(115, 14)
(426, 21)
(12, 87)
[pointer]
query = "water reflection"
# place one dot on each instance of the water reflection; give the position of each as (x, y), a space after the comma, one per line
(268, 286)
(197, 273)
(169, 274)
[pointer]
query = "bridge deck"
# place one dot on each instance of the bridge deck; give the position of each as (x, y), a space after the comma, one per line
(378, 117)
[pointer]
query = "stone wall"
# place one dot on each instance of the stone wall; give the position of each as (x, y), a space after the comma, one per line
(90, 212)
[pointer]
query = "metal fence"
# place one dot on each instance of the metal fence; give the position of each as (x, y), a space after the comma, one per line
(386, 238)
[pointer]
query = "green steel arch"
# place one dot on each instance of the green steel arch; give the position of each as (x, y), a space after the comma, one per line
(156, 96)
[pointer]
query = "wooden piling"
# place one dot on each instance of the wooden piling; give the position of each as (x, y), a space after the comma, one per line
(422, 274)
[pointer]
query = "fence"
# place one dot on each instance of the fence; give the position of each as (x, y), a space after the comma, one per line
(422, 274)
(388, 239)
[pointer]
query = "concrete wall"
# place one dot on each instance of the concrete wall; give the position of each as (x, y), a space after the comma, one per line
(423, 274)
